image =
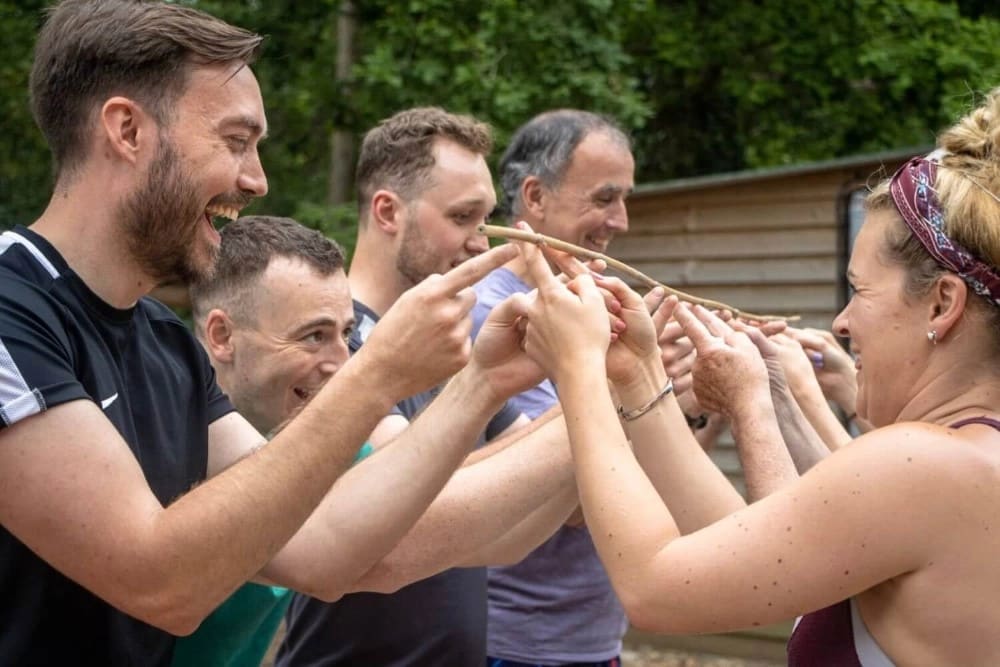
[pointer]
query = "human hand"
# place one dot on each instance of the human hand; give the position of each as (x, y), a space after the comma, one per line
(833, 366)
(498, 350)
(678, 355)
(772, 353)
(644, 318)
(729, 372)
(424, 337)
(567, 325)
(794, 364)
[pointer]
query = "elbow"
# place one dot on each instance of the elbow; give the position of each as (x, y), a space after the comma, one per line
(385, 578)
(178, 614)
(637, 611)
(328, 594)
(320, 585)
(640, 618)
(645, 614)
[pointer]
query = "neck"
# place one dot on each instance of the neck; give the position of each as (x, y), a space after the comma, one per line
(965, 389)
(373, 277)
(80, 223)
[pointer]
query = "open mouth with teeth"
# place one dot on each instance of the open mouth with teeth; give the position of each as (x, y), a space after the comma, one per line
(595, 243)
(218, 215)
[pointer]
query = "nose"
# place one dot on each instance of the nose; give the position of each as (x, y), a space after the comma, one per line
(618, 219)
(334, 356)
(840, 326)
(252, 179)
(477, 244)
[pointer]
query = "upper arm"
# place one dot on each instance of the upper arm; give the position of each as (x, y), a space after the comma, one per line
(73, 492)
(842, 528)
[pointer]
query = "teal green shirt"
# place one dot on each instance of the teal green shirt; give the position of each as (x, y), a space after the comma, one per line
(238, 633)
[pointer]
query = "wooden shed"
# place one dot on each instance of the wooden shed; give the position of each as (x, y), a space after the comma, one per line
(770, 240)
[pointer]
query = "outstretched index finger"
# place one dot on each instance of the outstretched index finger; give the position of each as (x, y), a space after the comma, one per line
(715, 324)
(473, 270)
(694, 328)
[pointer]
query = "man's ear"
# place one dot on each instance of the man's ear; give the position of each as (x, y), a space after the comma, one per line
(533, 197)
(387, 211)
(217, 336)
(949, 298)
(126, 129)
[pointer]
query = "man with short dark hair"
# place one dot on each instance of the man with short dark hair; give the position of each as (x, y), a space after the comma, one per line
(567, 173)
(133, 499)
(275, 318)
(424, 186)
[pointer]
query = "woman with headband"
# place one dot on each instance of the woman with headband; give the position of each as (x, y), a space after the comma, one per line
(887, 549)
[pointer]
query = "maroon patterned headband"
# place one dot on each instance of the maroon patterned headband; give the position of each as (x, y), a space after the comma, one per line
(912, 189)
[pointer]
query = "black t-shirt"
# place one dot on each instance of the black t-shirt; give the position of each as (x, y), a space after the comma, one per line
(438, 621)
(59, 342)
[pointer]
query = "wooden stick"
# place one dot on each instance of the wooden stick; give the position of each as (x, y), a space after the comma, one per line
(495, 231)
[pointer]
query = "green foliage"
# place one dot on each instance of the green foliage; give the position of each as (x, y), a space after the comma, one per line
(25, 175)
(500, 61)
(793, 80)
(336, 222)
(704, 85)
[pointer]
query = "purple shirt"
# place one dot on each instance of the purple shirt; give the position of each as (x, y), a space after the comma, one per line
(556, 605)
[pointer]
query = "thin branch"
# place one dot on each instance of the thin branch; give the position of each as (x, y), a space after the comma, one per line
(495, 231)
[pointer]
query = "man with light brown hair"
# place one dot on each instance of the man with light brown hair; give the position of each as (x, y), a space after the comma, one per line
(424, 186)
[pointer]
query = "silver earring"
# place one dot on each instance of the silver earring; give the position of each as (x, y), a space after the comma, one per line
(932, 336)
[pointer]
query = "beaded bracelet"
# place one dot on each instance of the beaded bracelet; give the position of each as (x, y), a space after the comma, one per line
(640, 411)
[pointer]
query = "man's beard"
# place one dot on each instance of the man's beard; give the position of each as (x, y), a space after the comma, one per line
(161, 219)
(417, 257)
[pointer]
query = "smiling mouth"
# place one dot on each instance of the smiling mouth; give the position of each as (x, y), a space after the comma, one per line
(219, 215)
(597, 243)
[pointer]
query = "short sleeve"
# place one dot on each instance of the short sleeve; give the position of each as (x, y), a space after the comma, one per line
(36, 357)
(219, 404)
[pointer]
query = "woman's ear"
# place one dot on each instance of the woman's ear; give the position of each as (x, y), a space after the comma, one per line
(949, 298)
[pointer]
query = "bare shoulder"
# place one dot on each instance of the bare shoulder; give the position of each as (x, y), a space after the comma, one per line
(915, 464)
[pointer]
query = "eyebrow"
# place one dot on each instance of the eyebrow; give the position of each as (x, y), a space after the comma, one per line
(323, 321)
(612, 189)
(249, 122)
(466, 203)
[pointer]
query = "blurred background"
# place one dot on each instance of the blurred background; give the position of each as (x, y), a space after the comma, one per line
(704, 86)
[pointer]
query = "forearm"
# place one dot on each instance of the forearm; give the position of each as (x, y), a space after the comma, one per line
(479, 505)
(825, 425)
(767, 463)
(804, 443)
(687, 480)
(527, 535)
(373, 506)
(494, 446)
(218, 535)
(625, 515)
